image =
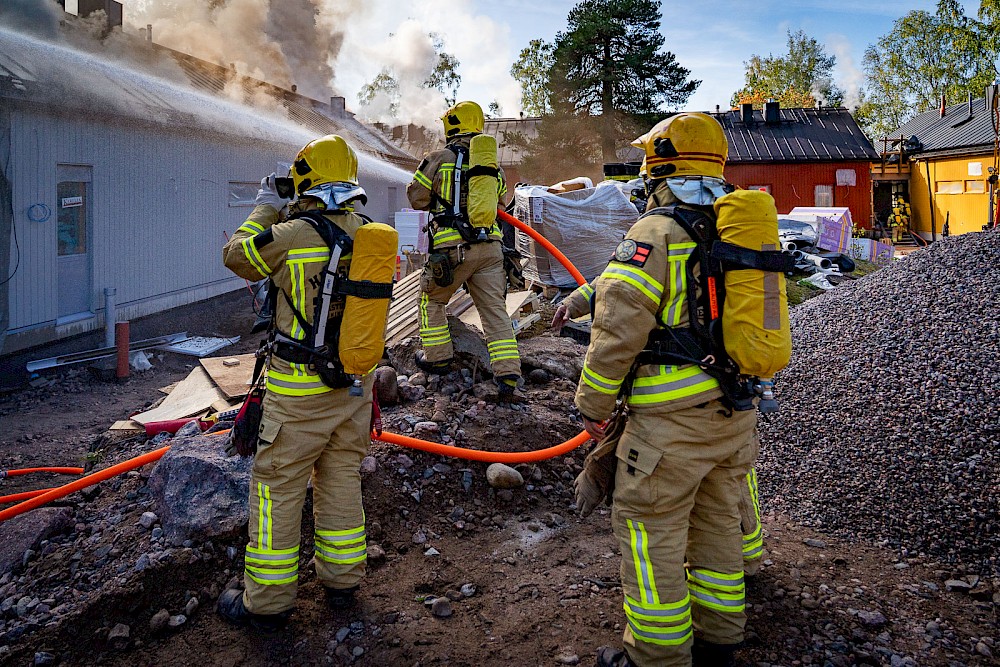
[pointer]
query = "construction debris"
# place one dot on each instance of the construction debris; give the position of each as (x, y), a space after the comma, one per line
(99, 353)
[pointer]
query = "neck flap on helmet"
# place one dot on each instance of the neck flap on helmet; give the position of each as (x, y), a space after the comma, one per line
(337, 195)
(698, 190)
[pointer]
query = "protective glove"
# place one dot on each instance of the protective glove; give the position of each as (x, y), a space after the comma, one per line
(268, 194)
(597, 481)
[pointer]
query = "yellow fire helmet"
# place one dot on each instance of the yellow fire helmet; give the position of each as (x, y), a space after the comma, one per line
(463, 118)
(686, 144)
(328, 159)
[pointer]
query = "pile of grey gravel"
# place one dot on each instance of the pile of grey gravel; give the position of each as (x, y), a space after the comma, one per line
(889, 428)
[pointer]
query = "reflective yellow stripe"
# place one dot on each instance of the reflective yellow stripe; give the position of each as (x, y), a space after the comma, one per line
(639, 541)
(670, 385)
(666, 636)
(250, 251)
(264, 517)
(309, 253)
(419, 177)
(350, 534)
(641, 280)
(447, 235)
(295, 385)
(599, 382)
(720, 591)
(586, 291)
(662, 613)
(251, 227)
(424, 321)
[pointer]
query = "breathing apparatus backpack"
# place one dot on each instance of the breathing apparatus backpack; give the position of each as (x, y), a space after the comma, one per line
(738, 307)
(474, 210)
(348, 346)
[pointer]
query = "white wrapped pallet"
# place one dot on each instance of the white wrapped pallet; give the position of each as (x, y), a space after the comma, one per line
(585, 225)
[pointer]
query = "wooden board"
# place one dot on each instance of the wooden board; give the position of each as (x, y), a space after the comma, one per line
(233, 381)
(193, 396)
(126, 425)
(168, 389)
(515, 302)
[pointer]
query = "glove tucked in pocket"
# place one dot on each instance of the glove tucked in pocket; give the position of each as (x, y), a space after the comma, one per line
(597, 481)
(246, 427)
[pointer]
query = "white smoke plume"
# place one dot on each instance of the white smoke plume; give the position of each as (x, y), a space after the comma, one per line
(851, 78)
(336, 46)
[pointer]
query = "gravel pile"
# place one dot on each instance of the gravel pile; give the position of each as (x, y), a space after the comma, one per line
(889, 428)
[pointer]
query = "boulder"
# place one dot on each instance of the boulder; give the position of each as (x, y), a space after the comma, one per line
(559, 356)
(199, 492)
(502, 476)
(386, 385)
(27, 530)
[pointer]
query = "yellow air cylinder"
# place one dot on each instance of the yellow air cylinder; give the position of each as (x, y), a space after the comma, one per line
(483, 197)
(755, 315)
(362, 330)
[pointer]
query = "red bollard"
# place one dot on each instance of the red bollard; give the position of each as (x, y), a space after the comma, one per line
(121, 343)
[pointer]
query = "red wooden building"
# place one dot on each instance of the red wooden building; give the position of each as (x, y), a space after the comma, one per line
(802, 157)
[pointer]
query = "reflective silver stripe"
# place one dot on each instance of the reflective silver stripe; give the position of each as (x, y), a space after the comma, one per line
(308, 255)
(670, 385)
(335, 537)
(271, 556)
(642, 568)
(661, 636)
(753, 553)
(635, 608)
(597, 379)
(679, 252)
(276, 576)
(342, 557)
(725, 585)
(637, 276)
(295, 385)
(701, 595)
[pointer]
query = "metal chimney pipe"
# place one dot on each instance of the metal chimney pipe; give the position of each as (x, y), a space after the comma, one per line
(110, 316)
(149, 33)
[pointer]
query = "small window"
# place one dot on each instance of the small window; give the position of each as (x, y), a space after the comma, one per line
(762, 188)
(950, 187)
(823, 195)
(978, 187)
(242, 193)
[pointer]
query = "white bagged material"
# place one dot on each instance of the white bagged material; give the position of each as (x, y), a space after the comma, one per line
(585, 225)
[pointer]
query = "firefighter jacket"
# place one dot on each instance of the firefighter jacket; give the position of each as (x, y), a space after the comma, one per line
(643, 287)
(578, 302)
(292, 254)
(432, 189)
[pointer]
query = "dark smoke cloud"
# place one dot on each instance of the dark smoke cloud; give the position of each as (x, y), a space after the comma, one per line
(38, 17)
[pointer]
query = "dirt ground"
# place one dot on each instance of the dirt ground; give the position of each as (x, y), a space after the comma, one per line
(546, 583)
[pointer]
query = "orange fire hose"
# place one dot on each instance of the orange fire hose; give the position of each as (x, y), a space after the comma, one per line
(25, 471)
(47, 496)
(82, 483)
(16, 497)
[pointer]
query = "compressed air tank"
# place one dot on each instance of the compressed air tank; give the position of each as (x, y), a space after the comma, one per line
(755, 314)
(483, 187)
(373, 266)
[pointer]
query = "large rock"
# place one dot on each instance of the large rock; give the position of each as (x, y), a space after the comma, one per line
(560, 356)
(26, 531)
(386, 386)
(199, 492)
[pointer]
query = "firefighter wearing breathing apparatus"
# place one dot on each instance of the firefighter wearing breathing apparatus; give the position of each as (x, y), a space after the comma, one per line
(462, 185)
(677, 463)
(330, 271)
(580, 303)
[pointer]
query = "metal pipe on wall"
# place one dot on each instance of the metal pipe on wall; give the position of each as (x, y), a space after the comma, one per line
(930, 199)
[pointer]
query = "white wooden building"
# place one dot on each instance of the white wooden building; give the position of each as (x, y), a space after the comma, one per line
(110, 178)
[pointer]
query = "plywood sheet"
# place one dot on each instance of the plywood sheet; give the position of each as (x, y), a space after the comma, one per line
(193, 395)
(233, 381)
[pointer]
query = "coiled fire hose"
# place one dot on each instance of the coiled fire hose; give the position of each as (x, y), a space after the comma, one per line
(46, 496)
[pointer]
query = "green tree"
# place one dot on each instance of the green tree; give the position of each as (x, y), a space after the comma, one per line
(532, 71)
(798, 78)
(924, 56)
(610, 64)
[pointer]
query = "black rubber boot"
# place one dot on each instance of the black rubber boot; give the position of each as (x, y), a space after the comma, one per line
(707, 654)
(341, 598)
(506, 390)
(232, 609)
(433, 367)
(613, 657)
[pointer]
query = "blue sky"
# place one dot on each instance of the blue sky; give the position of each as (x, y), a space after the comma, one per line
(713, 38)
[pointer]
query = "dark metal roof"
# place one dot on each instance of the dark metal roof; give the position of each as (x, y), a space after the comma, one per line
(804, 135)
(509, 152)
(960, 130)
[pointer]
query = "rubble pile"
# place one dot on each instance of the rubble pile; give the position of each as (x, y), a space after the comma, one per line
(889, 418)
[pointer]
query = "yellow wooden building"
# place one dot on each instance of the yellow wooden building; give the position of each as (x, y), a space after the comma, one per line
(940, 163)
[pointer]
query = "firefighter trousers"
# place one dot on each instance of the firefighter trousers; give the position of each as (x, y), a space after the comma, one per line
(322, 437)
(480, 267)
(753, 535)
(676, 498)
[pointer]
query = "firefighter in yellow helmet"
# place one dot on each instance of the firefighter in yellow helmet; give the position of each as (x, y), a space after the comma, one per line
(462, 254)
(684, 452)
(313, 425)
